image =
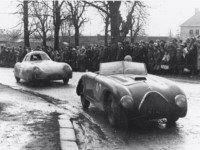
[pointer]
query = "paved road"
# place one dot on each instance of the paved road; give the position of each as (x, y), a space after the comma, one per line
(92, 128)
(27, 122)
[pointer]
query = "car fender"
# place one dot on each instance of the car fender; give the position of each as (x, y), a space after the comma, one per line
(79, 87)
(110, 87)
(17, 69)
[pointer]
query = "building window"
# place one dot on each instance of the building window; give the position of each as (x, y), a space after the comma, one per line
(197, 32)
(191, 32)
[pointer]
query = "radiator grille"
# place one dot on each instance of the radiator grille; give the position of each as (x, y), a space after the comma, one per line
(154, 104)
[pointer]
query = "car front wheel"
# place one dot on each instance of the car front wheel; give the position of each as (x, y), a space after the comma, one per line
(17, 79)
(172, 120)
(85, 103)
(65, 80)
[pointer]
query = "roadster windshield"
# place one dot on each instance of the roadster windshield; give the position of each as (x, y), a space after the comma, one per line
(122, 67)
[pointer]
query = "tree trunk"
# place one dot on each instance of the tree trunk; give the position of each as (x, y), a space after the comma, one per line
(77, 36)
(56, 37)
(44, 38)
(132, 40)
(106, 31)
(115, 24)
(56, 25)
(26, 31)
(69, 34)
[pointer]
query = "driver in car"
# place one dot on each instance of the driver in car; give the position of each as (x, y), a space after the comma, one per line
(128, 58)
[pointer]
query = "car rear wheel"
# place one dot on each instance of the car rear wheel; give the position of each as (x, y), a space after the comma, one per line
(85, 103)
(65, 80)
(17, 79)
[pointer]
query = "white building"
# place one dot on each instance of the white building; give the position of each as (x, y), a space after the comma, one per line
(191, 27)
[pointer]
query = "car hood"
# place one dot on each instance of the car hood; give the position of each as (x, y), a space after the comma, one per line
(126, 79)
(49, 66)
(140, 85)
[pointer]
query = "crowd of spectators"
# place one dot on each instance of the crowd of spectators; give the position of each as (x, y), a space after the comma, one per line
(160, 57)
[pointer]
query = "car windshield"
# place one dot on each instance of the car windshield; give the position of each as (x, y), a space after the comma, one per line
(39, 57)
(122, 67)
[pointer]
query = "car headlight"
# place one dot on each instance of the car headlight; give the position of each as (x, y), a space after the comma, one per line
(67, 68)
(37, 70)
(127, 102)
(181, 101)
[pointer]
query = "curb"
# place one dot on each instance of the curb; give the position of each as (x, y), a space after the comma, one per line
(67, 133)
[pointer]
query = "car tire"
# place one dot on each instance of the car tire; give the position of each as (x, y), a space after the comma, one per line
(172, 120)
(85, 103)
(17, 79)
(47, 82)
(65, 80)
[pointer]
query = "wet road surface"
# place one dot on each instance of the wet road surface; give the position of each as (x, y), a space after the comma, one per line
(27, 122)
(92, 127)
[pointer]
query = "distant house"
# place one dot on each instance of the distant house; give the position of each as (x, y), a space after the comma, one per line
(191, 27)
(4, 40)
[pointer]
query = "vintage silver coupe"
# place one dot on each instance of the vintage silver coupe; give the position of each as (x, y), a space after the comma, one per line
(37, 66)
(125, 91)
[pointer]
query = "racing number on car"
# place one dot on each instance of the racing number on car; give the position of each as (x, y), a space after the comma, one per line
(98, 87)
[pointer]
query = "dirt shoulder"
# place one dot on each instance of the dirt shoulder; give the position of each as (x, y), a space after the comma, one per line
(27, 122)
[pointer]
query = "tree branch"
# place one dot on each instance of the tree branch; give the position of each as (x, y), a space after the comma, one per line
(96, 6)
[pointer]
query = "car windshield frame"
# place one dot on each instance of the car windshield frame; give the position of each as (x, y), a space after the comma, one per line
(122, 67)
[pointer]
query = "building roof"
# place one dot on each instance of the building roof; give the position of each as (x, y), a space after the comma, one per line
(193, 21)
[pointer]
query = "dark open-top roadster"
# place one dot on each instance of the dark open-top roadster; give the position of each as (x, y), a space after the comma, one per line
(124, 90)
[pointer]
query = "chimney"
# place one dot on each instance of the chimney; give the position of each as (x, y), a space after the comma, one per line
(196, 10)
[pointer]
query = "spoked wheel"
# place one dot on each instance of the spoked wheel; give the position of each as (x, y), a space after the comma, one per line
(65, 80)
(17, 79)
(116, 116)
(85, 103)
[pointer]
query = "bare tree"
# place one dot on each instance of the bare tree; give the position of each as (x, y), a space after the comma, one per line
(106, 19)
(14, 34)
(135, 21)
(117, 34)
(58, 17)
(28, 24)
(115, 17)
(25, 20)
(116, 22)
(76, 10)
(66, 29)
(40, 14)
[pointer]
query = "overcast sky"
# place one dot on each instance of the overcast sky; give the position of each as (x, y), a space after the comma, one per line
(164, 15)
